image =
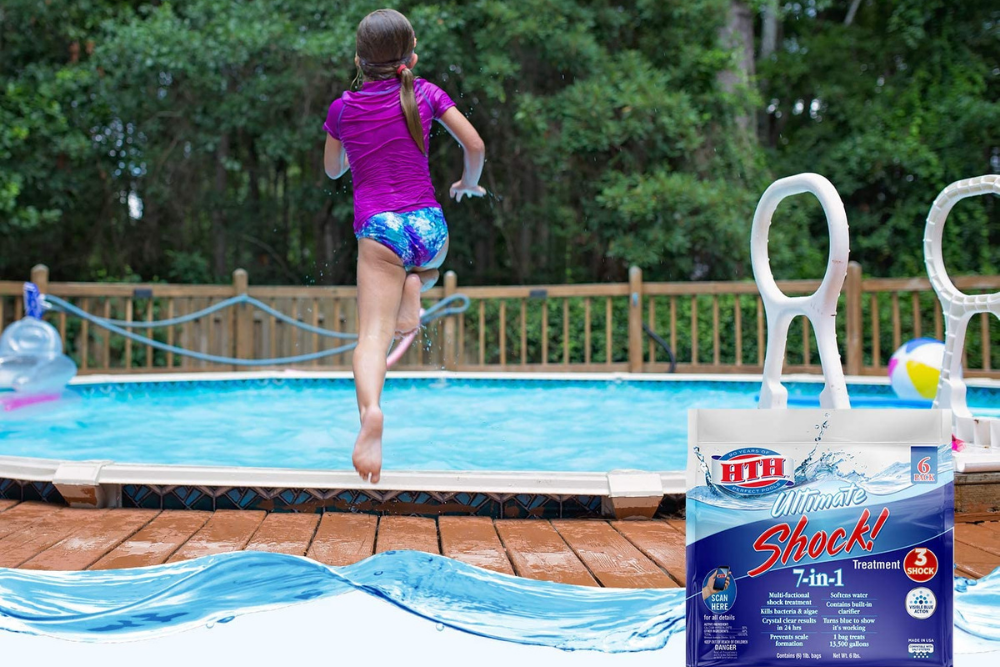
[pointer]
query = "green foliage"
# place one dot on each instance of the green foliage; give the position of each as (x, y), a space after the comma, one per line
(688, 224)
(184, 140)
(891, 109)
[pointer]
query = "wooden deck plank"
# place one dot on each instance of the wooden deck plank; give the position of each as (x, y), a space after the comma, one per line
(659, 542)
(974, 562)
(473, 540)
(975, 517)
(537, 551)
(407, 532)
(227, 530)
(977, 548)
(85, 547)
(619, 553)
(22, 546)
(152, 545)
(23, 515)
(343, 539)
(610, 557)
(285, 534)
(985, 536)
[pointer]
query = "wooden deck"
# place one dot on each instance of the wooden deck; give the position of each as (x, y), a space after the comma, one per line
(621, 554)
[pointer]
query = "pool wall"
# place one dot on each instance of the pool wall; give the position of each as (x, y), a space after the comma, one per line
(493, 494)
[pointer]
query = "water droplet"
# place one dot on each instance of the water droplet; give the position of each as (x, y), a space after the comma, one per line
(210, 625)
(439, 627)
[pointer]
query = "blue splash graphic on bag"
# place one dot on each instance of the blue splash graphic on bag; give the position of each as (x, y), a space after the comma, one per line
(137, 604)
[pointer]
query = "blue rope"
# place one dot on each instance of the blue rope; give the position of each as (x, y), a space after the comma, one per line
(429, 315)
(232, 301)
(432, 313)
(440, 309)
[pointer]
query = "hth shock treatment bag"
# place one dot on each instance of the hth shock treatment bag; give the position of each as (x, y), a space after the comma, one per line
(822, 536)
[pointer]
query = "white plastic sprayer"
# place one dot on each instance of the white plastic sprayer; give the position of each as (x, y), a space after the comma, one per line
(820, 307)
(958, 309)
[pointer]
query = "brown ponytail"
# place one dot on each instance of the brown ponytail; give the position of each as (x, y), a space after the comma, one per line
(385, 43)
(411, 112)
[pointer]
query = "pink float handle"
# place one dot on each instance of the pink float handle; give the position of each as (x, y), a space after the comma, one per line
(403, 346)
(19, 401)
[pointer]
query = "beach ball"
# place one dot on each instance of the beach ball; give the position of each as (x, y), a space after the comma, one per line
(915, 368)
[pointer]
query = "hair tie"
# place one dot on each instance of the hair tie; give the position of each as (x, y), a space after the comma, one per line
(399, 70)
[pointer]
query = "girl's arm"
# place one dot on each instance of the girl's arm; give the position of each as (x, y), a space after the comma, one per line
(335, 158)
(475, 154)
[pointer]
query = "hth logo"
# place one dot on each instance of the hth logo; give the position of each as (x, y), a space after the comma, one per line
(923, 465)
(752, 471)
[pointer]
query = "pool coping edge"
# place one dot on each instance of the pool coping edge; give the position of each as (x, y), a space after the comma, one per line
(97, 484)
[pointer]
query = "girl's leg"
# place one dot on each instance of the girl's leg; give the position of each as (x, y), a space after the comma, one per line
(380, 286)
(420, 280)
(428, 277)
(409, 306)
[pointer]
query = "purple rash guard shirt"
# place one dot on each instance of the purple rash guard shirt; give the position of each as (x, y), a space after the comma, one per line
(390, 173)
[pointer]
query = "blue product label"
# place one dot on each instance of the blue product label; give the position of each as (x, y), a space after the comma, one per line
(923, 465)
(830, 554)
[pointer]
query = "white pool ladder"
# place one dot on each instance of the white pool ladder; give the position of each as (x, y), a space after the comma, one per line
(982, 434)
(820, 307)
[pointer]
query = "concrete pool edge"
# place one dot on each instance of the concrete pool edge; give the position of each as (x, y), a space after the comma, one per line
(98, 484)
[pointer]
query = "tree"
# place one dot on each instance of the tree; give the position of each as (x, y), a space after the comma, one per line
(180, 141)
(892, 103)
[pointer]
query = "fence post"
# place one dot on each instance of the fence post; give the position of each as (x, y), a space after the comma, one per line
(40, 276)
(854, 329)
(243, 331)
(450, 353)
(635, 320)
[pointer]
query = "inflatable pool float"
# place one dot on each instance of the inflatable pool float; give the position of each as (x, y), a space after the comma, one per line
(32, 363)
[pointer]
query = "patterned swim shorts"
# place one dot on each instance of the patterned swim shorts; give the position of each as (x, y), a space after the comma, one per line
(416, 236)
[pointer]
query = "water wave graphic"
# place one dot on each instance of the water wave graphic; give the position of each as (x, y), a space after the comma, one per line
(128, 605)
(120, 605)
(976, 604)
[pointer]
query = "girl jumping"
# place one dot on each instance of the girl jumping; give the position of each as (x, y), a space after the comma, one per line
(382, 132)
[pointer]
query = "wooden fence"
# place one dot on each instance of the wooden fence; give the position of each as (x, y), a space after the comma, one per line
(712, 327)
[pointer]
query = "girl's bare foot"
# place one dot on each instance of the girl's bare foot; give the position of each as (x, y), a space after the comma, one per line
(408, 319)
(368, 447)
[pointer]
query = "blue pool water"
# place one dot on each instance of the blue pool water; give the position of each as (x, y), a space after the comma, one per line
(431, 424)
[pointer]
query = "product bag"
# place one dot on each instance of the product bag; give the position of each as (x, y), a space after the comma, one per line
(817, 535)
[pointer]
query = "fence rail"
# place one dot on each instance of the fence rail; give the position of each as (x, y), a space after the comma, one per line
(712, 327)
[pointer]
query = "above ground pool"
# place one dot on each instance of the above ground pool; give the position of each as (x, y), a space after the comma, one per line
(438, 423)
